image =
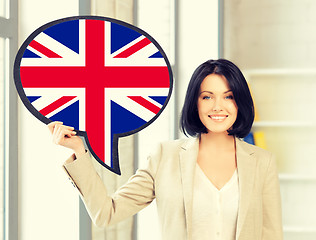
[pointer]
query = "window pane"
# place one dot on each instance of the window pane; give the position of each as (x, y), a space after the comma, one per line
(3, 8)
(2, 136)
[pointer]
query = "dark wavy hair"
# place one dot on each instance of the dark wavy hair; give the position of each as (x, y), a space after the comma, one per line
(190, 121)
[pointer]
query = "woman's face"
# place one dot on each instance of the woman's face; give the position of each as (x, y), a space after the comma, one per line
(216, 105)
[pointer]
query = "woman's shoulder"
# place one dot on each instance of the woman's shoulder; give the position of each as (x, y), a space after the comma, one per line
(253, 149)
(177, 144)
(263, 157)
(171, 147)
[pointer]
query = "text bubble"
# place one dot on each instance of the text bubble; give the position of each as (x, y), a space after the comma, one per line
(104, 77)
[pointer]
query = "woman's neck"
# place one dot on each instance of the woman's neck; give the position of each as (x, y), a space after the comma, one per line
(217, 141)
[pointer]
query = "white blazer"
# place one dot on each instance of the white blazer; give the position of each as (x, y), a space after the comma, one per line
(169, 176)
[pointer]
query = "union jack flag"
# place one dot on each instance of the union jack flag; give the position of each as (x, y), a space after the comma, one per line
(104, 77)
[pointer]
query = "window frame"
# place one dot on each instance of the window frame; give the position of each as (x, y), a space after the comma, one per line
(9, 31)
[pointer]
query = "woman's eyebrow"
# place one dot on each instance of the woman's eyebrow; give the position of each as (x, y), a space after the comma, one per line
(228, 91)
(206, 92)
(213, 93)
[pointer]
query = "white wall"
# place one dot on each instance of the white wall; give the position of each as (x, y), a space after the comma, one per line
(157, 19)
(198, 39)
(48, 204)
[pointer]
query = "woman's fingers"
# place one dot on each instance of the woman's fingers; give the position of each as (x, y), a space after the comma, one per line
(66, 136)
(60, 132)
(63, 133)
(52, 125)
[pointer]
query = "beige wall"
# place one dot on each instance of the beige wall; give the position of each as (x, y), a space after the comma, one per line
(118, 9)
(270, 33)
(273, 41)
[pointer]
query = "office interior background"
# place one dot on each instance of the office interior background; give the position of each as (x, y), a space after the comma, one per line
(272, 41)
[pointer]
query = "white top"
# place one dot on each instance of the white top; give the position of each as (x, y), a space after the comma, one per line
(215, 211)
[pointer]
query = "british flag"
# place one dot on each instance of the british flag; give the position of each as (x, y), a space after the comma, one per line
(104, 77)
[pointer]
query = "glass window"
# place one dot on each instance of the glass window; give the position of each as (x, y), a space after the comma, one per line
(3, 8)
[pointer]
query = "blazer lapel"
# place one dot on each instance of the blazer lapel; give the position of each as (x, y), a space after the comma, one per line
(188, 156)
(246, 172)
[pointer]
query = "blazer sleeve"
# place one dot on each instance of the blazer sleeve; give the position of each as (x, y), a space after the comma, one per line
(272, 214)
(103, 209)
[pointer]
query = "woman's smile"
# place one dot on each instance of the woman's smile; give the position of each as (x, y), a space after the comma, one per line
(218, 118)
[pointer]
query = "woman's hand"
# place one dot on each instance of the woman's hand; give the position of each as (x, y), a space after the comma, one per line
(66, 136)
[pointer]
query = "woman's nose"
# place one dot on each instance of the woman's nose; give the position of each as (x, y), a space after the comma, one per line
(217, 106)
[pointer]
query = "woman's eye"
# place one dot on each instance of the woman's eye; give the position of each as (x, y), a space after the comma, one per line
(229, 97)
(206, 97)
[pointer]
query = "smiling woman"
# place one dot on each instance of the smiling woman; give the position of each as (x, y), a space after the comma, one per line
(218, 110)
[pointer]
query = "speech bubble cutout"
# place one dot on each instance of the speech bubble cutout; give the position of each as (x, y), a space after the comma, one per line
(104, 77)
